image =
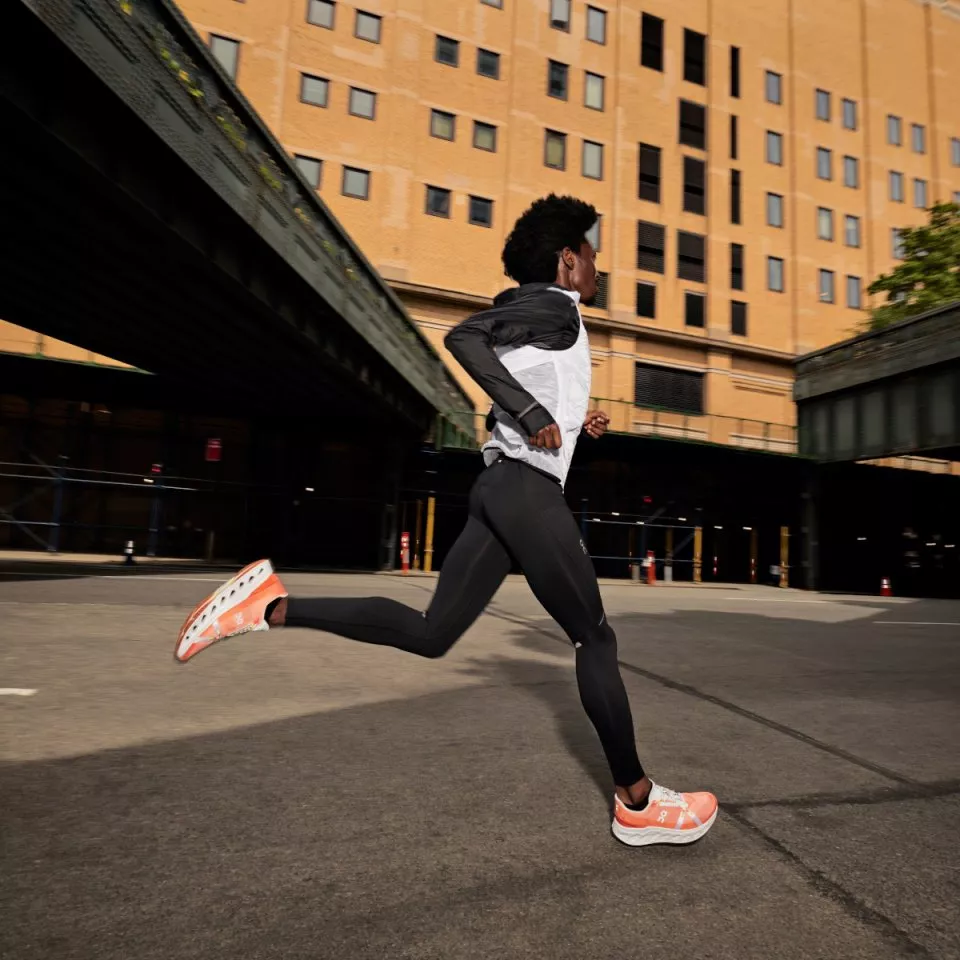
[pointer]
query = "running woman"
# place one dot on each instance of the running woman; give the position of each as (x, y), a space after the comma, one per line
(530, 353)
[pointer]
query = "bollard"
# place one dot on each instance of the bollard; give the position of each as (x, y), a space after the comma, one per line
(405, 553)
(128, 552)
(651, 564)
(885, 590)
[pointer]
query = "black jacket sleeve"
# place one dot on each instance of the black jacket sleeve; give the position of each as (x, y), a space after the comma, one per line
(550, 321)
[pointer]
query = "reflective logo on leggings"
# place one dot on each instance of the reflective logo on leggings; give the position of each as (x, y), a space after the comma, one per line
(583, 546)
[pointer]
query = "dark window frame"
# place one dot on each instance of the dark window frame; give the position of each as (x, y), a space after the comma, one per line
(470, 211)
(297, 157)
(491, 126)
(496, 60)
(738, 318)
(737, 270)
(651, 256)
(766, 148)
(564, 72)
(587, 74)
(735, 72)
(771, 260)
(694, 57)
(333, 14)
(696, 136)
(371, 16)
(583, 159)
(734, 137)
(736, 197)
(777, 78)
(434, 113)
(547, 134)
(313, 103)
(668, 388)
(361, 116)
(650, 291)
(691, 266)
(440, 45)
(821, 97)
(343, 183)
(439, 191)
(694, 185)
(600, 10)
(651, 42)
(690, 297)
(647, 181)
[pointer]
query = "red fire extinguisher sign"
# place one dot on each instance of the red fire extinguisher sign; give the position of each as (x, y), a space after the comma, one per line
(213, 451)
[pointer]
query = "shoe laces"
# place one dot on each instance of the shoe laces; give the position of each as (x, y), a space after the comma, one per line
(669, 797)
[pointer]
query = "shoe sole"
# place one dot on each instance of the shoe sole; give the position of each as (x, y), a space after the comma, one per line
(237, 589)
(646, 836)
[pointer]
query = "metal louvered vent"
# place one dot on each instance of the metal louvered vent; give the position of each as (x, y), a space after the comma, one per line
(680, 390)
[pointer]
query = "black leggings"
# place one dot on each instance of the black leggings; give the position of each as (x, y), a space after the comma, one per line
(515, 513)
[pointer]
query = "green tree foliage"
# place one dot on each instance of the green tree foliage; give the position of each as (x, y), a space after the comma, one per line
(929, 274)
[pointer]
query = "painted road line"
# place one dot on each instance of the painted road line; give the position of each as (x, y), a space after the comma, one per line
(16, 692)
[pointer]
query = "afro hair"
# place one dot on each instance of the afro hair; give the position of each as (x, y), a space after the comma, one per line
(540, 235)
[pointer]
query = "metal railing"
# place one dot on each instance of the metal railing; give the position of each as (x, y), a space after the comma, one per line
(628, 418)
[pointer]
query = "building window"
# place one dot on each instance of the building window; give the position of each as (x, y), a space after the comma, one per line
(956, 197)
(669, 389)
(735, 196)
(851, 172)
(481, 212)
(593, 160)
(593, 235)
(772, 87)
(694, 185)
(649, 173)
(774, 148)
(826, 286)
(823, 105)
(824, 223)
(736, 266)
(693, 124)
(894, 136)
(485, 136)
(853, 293)
(310, 168)
(920, 194)
(896, 186)
(896, 242)
(646, 300)
(493, 3)
(824, 163)
(651, 42)
(851, 231)
(555, 150)
(557, 74)
(849, 114)
(691, 256)
(488, 64)
(356, 183)
(320, 13)
(735, 72)
(601, 297)
(775, 274)
(738, 318)
(919, 138)
(651, 241)
(442, 125)
(447, 51)
(227, 52)
(367, 26)
(314, 90)
(363, 103)
(438, 202)
(955, 151)
(596, 25)
(694, 57)
(693, 308)
(734, 146)
(560, 14)
(774, 210)
(593, 91)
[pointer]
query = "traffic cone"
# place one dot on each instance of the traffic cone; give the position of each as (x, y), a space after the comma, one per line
(885, 590)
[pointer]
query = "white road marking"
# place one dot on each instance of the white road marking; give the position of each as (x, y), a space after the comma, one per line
(115, 576)
(921, 623)
(16, 692)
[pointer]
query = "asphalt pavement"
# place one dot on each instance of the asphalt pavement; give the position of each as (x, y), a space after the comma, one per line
(296, 795)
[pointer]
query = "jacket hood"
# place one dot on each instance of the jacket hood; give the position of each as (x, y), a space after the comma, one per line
(523, 292)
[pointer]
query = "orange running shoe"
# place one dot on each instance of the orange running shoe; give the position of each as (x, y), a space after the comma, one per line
(668, 817)
(239, 606)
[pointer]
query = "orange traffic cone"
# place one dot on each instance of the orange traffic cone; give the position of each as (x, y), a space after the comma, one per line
(885, 590)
